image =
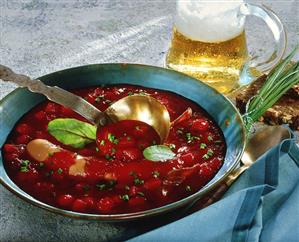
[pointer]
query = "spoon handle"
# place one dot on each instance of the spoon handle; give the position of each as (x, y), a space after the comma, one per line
(57, 95)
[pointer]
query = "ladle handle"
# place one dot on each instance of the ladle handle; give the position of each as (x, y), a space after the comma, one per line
(57, 95)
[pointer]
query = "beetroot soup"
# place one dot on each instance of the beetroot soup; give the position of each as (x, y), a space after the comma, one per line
(56, 156)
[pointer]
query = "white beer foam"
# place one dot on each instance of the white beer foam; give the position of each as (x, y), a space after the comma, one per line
(208, 20)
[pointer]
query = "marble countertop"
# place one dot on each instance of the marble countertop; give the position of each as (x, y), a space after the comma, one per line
(41, 36)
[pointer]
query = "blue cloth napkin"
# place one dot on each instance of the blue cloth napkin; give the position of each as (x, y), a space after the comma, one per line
(262, 205)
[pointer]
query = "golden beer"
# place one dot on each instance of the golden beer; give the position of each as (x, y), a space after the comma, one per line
(218, 64)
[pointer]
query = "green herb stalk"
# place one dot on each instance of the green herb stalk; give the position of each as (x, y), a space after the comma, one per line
(279, 81)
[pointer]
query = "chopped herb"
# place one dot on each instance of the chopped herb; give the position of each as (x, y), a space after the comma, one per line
(102, 142)
(217, 141)
(41, 164)
(112, 183)
(106, 185)
(130, 93)
(188, 188)
(138, 181)
(137, 127)
(24, 166)
(128, 138)
(205, 156)
(113, 150)
(210, 138)
(107, 101)
(97, 149)
(47, 174)
(59, 171)
(179, 131)
(25, 162)
(140, 194)
(156, 174)
(101, 187)
(190, 138)
(203, 146)
(50, 154)
(112, 138)
(125, 197)
(108, 157)
(210, 152)
(24, 169)
(171, 146)
(127, 187)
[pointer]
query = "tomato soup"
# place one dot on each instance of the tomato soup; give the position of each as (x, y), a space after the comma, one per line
(106, 171)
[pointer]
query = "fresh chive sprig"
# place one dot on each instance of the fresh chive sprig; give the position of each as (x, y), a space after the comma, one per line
(278, 82)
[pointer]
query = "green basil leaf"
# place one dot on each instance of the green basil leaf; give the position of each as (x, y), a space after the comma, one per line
(72, 132)
(158, 153)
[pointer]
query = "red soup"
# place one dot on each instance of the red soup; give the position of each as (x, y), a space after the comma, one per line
(107, 172)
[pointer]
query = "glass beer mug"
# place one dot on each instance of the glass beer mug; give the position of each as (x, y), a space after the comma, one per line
(209, 42)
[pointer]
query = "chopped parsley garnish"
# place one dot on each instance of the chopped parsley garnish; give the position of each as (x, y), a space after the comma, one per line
(128, 138)
(59, 171)
(106, 185)
(125, 197)
(210, 138)
(47, 174)
(203, 146)
(209, 154)
(101, 187)
(205, 156)
(50, 154)
(24, 169)
(130, 93)
(113, 150)
(24, 166)
(179, 131)
(217, 141)
(97, 149)
(112, 138)
(156, 174)
(138, 181)
(108, 157)
(41, 164)
(190, 137)
(171, 146)
(102, 142)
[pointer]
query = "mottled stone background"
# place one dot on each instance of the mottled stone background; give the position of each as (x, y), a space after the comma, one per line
(38, 37)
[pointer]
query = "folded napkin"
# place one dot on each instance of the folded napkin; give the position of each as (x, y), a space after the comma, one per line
(262, 205)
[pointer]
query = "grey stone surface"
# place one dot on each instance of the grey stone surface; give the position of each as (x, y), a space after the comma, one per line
(38, 37)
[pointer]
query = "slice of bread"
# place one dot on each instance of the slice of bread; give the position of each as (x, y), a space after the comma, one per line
(284, 111)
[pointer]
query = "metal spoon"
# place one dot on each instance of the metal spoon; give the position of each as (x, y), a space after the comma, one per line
(137, 107)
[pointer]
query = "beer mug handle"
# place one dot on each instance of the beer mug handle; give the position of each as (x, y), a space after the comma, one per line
(278, 31)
